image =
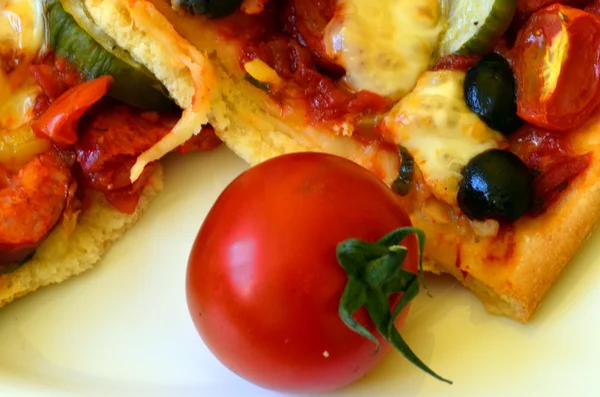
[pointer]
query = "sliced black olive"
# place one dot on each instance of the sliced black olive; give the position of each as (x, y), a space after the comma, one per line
(212, 9)
(403, 182)
(490, 92)
(496, 185)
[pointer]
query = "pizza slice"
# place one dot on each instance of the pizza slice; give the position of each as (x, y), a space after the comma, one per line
(75, 113)
(420, 92)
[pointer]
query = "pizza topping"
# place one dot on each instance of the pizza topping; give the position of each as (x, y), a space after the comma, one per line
(490, 92)
(31, 205)
(456, 62)
(308, 21)
(21, 40)
(111, 140)
(74, 35)
(59, 122)
(20, 145)
(496, 185)
(384, 46)
(556, 67)
(262, 72)
(403, 183)
(552, 161)
(55, 75)
(593, 7)
(22, 32)
(305, 87)
(253, 6)
(474, 27)
(195, 114)
(210, 8)
(556, 178)
(438, 129)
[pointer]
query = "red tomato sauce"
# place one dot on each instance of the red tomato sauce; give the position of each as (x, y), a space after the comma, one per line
(552, 160)
(456, 62)
(287, 36)
(55, 75)
(106, 137)
(4, 176)
(110, 141)
(502, 247)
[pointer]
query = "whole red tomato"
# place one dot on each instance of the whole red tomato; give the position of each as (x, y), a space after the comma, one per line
(264, 283)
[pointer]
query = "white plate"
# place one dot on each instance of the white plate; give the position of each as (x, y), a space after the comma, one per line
(123, 329)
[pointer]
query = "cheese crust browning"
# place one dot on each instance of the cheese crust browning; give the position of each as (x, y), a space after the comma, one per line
(510, 272)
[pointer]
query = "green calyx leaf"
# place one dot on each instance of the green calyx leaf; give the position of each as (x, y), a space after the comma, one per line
(374, 273)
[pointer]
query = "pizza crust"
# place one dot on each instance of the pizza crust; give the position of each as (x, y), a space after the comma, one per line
(543, 245)
(247, 120)
(61, 257)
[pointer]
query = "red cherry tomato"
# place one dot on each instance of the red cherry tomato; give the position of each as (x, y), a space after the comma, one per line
(557, 59)
(263, 281)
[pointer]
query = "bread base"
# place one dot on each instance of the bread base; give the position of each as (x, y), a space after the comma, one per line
(61, 257)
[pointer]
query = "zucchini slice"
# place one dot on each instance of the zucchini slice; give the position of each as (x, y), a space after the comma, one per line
(475, 26)
(74, 35)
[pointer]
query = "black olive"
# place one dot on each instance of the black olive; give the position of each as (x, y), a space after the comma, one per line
(213, 9)
(403, 182)
(490, 92)
(496, 185)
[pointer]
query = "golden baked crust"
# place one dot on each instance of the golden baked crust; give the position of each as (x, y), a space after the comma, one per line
(515, 284)
(60, 258)
(510, 277)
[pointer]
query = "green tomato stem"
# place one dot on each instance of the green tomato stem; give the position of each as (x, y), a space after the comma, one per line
(374, 273)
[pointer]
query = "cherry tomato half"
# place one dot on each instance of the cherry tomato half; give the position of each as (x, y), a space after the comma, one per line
(263, 281)
(557, 55)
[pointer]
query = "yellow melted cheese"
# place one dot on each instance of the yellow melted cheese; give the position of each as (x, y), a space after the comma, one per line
(434, 123)
(384, 45)
(22, 25)
(22, 38)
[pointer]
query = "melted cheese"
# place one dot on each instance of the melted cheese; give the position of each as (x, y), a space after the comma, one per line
(440, 131)
(22, 25)
(384, 45)
(203, 75)
(22, 38)
(262, 72)
(16, 108)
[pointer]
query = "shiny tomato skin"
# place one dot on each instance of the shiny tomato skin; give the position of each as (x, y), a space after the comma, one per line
(263, 283)
(575, 94)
